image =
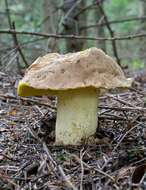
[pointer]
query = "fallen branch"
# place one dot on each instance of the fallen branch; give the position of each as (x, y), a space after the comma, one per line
(123, 108)
(59, 168)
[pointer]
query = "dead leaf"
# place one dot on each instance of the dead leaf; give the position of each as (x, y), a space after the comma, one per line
(12, 112)
(124, 172)
(138, 173)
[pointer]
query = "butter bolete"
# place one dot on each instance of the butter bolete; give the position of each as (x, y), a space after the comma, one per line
(77, 80)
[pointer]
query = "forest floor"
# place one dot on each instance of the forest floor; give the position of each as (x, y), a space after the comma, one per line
(114, 159)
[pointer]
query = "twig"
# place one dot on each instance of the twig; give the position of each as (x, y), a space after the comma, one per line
(52, 108)
(18, 47)
(8, 14)
(115, 148)
(121, 101)
(113, 22)
(127, 37)
(96, 169)
(9, 158)
(110, 31)
(14, 56)
(7, 180)
(86, 9)
(114, 117)
(11, 26)
(123, 108)
(139, 92)
(60, 169)
(52, 160)
(82, 168)
(15, 40)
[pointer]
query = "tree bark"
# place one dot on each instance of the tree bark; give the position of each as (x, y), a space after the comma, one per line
(50, 19)
(72, 23)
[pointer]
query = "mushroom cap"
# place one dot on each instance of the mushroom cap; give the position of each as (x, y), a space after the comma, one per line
(55, 72)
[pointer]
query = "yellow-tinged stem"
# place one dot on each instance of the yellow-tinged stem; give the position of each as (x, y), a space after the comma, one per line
(76, 116)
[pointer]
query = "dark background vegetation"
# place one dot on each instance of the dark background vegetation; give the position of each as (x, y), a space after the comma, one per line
(116, 157)
(96, 19)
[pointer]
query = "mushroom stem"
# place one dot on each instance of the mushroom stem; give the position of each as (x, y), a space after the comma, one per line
(76, 116)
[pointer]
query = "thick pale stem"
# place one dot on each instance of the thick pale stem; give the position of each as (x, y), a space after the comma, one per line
(76, 116)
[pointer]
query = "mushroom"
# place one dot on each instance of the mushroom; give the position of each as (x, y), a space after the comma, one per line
(77, 79)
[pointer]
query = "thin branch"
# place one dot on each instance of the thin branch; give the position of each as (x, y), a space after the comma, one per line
(113, 22)
(24, 44)
(86, 9)
(114, 45)
(95, 169)
(18, 47)
(28, 100)
(120, 100)
(128, 37)
(11, 26)
(122, 138)
(123, 108)
(59, 168)
(8, 14)
(5, 178)
(15, 40)
(82, 153)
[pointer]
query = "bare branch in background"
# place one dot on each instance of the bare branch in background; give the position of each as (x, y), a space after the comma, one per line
(15, 41)
(143, 18)
(71, 23)
(114, 45)
(8, 14)
(13, 35)
(18, 47)
(126, 37)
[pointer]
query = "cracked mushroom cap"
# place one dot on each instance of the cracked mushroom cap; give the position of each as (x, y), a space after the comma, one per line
(55, 72)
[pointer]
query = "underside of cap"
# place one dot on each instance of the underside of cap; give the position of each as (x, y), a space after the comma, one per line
(25, 90)
(55, 72)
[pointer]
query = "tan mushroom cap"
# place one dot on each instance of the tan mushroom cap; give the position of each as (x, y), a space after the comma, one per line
(88, 68)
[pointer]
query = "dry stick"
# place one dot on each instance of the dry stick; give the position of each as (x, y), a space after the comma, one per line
(16, 44)
(82, 168)
(60, 169)
(96, 169)
(52, 160)
(123, 108)
(8, 157)
(51, 108)
(117, 118)
(113, 22)
(18, 47)
(8, 14)
(12, 48)
(124, 137)
(11, 27)
(121, 101)
(111, 33)
(136, 90)
(6, 179)
(13, 35)
(46, 35)
(86, 9)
